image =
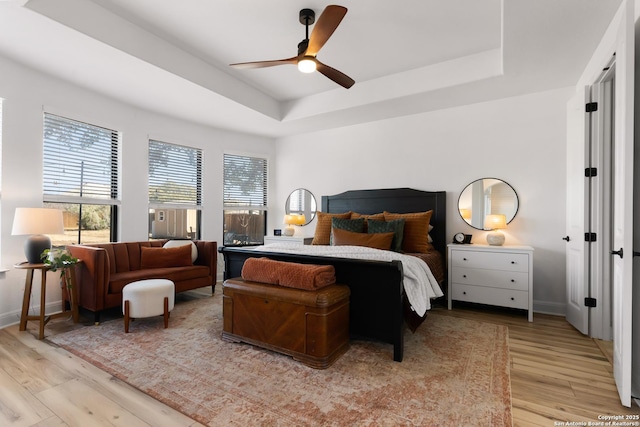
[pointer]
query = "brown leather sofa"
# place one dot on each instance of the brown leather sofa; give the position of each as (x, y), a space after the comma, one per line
(107, 267)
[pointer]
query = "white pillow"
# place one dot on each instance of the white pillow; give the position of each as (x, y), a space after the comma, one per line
(176, 243)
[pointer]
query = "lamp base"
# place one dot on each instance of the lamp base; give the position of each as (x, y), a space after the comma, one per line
(289, 231)
(34, 246)
(495, 238)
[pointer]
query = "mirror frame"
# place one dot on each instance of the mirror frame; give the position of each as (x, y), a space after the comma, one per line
(313, 208)
(517, 201)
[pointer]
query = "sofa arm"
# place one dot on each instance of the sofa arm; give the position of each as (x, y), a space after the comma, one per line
(92, 275)
(208, 256)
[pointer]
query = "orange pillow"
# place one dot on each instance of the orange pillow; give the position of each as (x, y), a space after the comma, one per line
(371, 240)
(323, 227)
(378, 216)
(180, 256)
(416, 230)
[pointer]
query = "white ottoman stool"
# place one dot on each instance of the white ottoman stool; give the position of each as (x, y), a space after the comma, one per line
(147, 298)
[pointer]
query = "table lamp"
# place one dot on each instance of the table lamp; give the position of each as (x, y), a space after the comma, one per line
(495, 223)
(293, 219)
(36, 222)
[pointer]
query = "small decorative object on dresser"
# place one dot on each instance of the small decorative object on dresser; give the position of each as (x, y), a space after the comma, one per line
(288, 239)
(462, 238)
(493, 275)
(290, 220)
(495, 223)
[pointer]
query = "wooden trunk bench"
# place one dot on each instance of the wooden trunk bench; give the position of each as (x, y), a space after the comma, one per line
(310, 326)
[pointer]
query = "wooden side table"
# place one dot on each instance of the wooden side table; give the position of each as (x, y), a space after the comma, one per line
(69, 279)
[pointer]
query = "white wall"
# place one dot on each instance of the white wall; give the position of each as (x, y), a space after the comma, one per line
(520, 140)
(26, 95)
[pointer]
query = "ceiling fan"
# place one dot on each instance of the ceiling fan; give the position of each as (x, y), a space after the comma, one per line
(310, 46)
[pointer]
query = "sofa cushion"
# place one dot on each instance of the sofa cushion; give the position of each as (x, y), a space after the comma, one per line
(176, 243)
(175, 274)
(179, 256)
(125, 256)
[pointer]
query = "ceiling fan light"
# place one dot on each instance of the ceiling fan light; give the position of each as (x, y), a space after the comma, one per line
(307, 65)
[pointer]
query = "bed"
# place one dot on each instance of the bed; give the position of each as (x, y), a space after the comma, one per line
(378, 303)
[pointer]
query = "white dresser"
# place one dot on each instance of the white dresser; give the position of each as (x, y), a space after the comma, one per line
(288, 239)
(494, 275)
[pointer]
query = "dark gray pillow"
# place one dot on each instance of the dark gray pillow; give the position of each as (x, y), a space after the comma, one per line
(396, 225)
(353, 225)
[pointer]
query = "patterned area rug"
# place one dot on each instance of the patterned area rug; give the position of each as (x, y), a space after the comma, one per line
(455, 372)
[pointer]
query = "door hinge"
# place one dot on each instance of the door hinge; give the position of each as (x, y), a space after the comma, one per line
(590, 237)
(590, 302)
(590, 172)
(590, 107)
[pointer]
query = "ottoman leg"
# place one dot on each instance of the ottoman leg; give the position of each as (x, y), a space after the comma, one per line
(126, 316)
(166, 312)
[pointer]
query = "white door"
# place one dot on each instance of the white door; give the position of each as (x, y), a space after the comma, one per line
(577, 213)
(622, 216)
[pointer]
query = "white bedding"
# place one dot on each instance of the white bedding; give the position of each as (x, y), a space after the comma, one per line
(419, 283)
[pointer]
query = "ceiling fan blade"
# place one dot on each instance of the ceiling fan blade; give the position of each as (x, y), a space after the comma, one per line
(264, 64)
(324, 28)
(335, 75)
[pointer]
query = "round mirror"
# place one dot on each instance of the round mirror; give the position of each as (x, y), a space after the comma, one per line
(487, 196)
(301, 202)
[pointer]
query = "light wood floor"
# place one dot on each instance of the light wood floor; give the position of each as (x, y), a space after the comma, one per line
(556, 375)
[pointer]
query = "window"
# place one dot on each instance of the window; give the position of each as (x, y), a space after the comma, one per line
(175, 191)
(245, 200)
(80, 177)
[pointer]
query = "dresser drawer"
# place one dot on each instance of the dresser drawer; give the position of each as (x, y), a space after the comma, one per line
(490, 260)
(491, 296)
(493, 278)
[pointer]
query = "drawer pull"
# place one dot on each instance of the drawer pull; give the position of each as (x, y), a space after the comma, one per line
(464, 259)
(513, 262)
(464, 292)
(513, 281)
(464, 275)
(513, 299)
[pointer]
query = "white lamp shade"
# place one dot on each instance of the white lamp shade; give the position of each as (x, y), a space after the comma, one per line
(37, 221)
(495, 222)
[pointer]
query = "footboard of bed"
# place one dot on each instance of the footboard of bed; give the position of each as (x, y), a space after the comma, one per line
(377, 292)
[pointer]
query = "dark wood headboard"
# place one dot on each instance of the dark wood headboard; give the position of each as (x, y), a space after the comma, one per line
(397, 200)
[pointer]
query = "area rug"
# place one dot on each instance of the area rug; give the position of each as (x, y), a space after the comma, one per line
(455, 372)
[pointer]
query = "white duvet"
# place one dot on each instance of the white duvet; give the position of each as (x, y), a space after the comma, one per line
(419, 283)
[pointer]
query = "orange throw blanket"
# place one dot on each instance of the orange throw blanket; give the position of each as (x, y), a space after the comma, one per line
(289, 274)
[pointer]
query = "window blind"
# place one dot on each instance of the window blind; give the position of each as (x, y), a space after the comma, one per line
(80, 162)
(245, 182)
(175, 176)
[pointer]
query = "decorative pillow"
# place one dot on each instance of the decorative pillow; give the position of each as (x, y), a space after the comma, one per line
(371, 240)
(355, 225)
(176, 243)
(416, 230)
(430, 228)
(165, 257)
(378, 217)
(323, 227)
(396, 226)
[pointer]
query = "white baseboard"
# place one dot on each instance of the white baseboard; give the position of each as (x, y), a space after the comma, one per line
(13, 317)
